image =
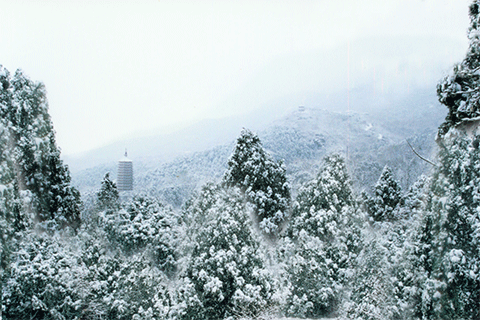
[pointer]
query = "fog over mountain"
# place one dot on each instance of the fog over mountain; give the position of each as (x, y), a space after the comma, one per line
(301, 137)
(363, 76)
(291, 160)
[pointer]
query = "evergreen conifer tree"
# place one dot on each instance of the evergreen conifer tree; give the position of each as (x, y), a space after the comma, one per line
(107, 197)
(319, 204)
(145, 225)
(44, 281)
(262, 180)
(33, 150)
(450, 240)
(448, 253)
(386, 197)
(225, 274)
(323, 241)
(78, 277)
(460, 91)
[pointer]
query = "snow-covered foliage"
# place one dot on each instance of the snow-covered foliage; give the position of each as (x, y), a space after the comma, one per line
(460, 92)
(76, 277)
(262, 180)
(225, 274)
(383, 285)
(33, 150)
(413, 201)
(319, 204)
(448, 253)
(314, 277)
(322, 243)
(12, 215)
(127, 288)
(386, 274)
(386, 198)
(450, 241)
(108, 196)
(144, 224)
(415, 256)
(44, 280)
(35, 192)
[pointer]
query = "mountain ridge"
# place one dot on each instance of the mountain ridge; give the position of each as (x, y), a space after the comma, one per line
(301, 138)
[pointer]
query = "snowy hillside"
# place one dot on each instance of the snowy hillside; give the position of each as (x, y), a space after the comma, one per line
(301, 138)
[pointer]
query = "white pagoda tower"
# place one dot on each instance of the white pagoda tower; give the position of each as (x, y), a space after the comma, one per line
(125, 174)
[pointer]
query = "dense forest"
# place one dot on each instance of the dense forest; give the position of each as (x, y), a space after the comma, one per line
(247, 245)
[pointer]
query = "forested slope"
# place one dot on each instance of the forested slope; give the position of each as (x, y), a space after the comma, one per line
(251, 244)
(369, 141)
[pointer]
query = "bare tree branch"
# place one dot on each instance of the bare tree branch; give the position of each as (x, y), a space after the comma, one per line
(416, 153)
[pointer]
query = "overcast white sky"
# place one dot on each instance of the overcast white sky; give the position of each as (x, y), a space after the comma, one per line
(116, 68)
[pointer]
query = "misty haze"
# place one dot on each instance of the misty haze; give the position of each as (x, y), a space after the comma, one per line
(240, 160)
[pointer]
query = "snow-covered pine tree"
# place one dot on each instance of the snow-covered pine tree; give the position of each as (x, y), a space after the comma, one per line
(324, 239)
(107, 196)
(195, 213)
(413, 201)
(145, 224)
(449, 250)
(45, 279)
(12, 218)
(10, 200)
(122, 287)
(450, 240)
(36, 157)
(225, 274)
(313, 277)
(12, 215)
(387, 195)
(319, 203)
(402, 237)
(77, 277)
(386, 270)
(386, 277)
(262, 180)
(460, 91)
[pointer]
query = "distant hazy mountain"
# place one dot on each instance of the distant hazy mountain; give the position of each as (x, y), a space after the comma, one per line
(365, 76)
(161, 148)
(363, 100)
(302, 137)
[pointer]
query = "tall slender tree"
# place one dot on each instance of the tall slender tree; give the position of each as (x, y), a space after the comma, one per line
(32, 147)
(324, 240)
(449, 253)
